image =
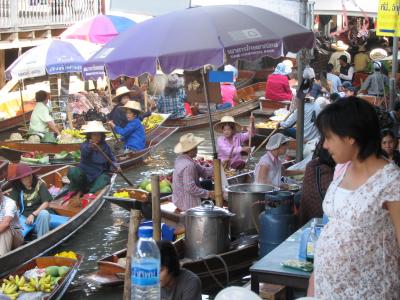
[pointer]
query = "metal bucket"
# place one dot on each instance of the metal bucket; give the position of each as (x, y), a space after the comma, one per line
(246, 201)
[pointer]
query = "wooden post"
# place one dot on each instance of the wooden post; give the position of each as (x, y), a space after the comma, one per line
(134, 222)
(22, 102)
(2, 68)
(146, 101)
(155, 204)
(217, 178)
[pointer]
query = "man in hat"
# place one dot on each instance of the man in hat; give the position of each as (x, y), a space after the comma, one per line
(340, 48)
(41, 120)
(186, 190)
(172, 100)
(375, 83)
(346, 71)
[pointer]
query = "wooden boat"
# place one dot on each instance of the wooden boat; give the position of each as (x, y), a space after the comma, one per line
(245, 78)
(15, 121)
(249, 97)
(78, 218)
(46, 261)
(154, 138)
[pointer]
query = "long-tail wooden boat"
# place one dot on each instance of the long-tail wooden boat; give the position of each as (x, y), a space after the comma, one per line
(78, 217)
(154, 138)
(249, 95)
(245, 78)
(47, 261)
(15, 121)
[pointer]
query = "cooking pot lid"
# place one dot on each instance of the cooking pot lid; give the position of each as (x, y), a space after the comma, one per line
(207, 208)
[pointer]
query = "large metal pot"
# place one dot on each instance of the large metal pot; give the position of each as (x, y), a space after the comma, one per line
(207, 230)
(246, 201)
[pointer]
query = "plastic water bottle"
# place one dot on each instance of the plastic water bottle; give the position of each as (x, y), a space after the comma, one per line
(311, 241)
(145, 268)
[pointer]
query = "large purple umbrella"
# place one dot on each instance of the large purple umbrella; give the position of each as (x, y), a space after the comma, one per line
(191, 38)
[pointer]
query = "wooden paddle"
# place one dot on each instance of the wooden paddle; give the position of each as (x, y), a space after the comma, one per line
(111, 162)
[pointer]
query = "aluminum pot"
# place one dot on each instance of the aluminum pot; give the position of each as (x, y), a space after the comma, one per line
(207, 230)
(246, 201)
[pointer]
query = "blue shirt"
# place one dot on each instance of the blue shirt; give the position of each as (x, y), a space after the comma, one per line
(335, 80)
(93, 163)
(167, 104)
(133, 135)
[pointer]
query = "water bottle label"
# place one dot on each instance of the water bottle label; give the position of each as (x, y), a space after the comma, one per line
(310, 249)
(146, 273)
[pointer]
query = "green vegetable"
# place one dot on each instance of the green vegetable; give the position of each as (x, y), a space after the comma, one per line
(52, 271)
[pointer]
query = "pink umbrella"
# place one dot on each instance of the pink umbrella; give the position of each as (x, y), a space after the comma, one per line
(99, 29)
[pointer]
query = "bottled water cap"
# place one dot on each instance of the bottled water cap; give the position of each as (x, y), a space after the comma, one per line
(146, 231)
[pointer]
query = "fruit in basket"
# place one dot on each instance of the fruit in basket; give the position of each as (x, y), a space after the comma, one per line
(148, 187)
(67, 254)
(165, 190)
(267, 125)
(62, 271)
(143, 184)
(152, 121)
(52, 271)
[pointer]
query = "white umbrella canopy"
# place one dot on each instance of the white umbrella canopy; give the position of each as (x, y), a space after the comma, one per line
(52, 57)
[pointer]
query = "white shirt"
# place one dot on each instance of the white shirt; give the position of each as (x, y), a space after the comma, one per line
(8, 208)
(274, 166)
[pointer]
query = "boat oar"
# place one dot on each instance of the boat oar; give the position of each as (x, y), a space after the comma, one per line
(111, 162)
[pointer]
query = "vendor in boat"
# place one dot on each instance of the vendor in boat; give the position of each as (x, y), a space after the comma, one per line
(229, 145)
(133, 133)
(229, 97)
(171, 101)
(186, 189)
(117, 114)
(91, 175)
(41, 120)
(269, 169)
(9, 223)
(277, 87)
(176, 282)
(32, 197)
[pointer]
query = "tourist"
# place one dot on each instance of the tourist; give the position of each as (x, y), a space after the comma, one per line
(361, 60)
(32, 197)
(41, 120)
(9, 224)
(311, 111)
(171, 101)
(186, 189)
(176, 283)
(347, 89)
(389, 145)
(229, 96)
(269, 169)
(229, 145)
(117, 114)
(317, 178)
(333, 80)
(375, 83)
(346, 70)
(358, 251)
(340, 48)
(277, 87)
(133, 133)
(91, 175)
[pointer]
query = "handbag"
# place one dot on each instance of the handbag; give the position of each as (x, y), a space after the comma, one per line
(17, 238)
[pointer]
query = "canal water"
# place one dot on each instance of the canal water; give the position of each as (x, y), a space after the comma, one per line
(107, 231)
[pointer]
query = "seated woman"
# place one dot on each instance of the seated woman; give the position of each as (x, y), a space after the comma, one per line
(176, 283)
(389, 146)
(9, 223)
(269, 169)
(229, 97)
(91, 174)
(32, 198)
(229, 145)
(117, 114)
(133, 134)
(277, 87)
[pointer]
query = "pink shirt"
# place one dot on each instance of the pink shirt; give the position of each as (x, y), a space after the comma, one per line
(224, 146)
(228, 92)
(186, 192)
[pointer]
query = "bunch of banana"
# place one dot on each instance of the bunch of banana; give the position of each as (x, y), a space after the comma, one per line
(268, 125)
(152, 121)
(18, 281)
(74, 132)
(10, 289)
(43, 284)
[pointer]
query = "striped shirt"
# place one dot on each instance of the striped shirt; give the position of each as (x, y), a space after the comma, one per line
(186, 192)
(167, 104)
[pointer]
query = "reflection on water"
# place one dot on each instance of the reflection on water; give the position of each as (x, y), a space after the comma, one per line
(107, 231)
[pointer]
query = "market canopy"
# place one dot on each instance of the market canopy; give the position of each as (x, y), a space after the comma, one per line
(52, 57)
(191, 38)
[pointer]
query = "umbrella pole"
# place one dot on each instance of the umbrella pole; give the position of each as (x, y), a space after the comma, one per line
(216, 161)
(22, 103)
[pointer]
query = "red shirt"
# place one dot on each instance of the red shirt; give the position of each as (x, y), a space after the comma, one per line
(278, 88)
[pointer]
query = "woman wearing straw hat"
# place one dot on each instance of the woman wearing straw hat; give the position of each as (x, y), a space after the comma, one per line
(91, 174)
(32, 197)
(269, 169)
(133, 133)
(229, 145)
(186, 190)
(340, 48)
(117, 114)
